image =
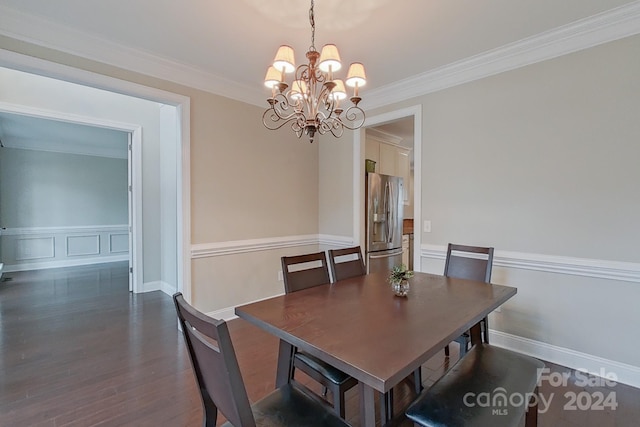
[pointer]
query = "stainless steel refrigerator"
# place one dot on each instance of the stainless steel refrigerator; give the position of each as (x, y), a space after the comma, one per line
(384, 210)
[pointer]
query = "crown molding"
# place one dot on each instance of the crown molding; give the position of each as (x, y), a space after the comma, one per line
(614, 24)
(384, 137)
(605, 27)
(42, 32)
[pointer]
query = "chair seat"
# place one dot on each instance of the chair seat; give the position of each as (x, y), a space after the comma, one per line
(288, 406)
(336, 376)
(453, 399)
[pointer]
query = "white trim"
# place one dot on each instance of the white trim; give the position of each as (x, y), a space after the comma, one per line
(17, 231)
(597, 268)
(614, 24)
(601, 28)
(626, 374)
(339, 241)
(358, 176)
(229, 313)
(44, 32)
(205, 250)
(159, 285)
(42, 67)
(65, 263)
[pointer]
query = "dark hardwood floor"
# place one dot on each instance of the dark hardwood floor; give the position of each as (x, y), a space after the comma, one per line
(77, 349)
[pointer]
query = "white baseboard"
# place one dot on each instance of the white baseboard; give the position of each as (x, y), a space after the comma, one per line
(626, 374)
(159, 285)
(65, 263)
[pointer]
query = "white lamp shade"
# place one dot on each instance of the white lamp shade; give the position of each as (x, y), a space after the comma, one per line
(329, 58)
(285, 60)
(298, 89)
(339, 92)
(356, 75)
(272, 78)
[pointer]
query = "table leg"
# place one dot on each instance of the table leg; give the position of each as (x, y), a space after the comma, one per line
(285, 363)
(367, 405)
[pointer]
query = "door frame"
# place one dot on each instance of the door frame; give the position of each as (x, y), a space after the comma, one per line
(42, 67)
(359, 176)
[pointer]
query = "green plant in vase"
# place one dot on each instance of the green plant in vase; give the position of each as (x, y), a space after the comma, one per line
(399, 279)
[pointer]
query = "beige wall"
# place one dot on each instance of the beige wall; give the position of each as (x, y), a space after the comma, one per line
(542, 161)
(246, 182)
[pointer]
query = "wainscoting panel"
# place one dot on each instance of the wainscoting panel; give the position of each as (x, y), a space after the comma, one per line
(83, 245)
(118, 243)
(35, 248)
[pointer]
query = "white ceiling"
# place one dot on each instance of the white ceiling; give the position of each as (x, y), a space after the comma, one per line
(225, 46)
(34, 133)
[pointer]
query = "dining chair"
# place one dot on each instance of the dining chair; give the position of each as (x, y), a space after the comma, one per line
(473, 263)
(306, 271)
(342, 268)
(221, 387)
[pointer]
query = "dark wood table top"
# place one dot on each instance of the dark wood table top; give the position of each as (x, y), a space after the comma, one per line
(360, 327)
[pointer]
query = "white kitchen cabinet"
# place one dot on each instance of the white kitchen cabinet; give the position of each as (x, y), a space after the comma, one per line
(388, 160)
(372, 152)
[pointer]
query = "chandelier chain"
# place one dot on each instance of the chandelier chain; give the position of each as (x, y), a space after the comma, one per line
(312, 21)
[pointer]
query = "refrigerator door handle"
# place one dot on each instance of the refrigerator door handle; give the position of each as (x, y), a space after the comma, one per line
(392, 219)
(387, 210)
(385, 256)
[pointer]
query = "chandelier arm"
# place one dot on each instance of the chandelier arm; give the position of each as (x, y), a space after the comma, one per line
(354, 115)
(273, 120)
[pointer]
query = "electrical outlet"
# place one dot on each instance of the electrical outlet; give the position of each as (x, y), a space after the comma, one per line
(427, 226)
(280, 278)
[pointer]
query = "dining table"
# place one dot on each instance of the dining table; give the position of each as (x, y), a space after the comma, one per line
(361, 327)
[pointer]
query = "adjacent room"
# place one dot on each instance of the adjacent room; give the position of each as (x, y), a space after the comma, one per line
(430, 218)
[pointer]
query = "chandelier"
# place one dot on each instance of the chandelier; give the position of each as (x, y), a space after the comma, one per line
(312, 104)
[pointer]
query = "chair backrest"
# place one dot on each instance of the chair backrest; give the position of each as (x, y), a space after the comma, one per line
(469, 262)
(215, 366)
(297, 279)
(346, 269)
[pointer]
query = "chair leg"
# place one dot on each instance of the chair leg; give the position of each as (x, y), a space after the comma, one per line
(531, 418)
(417, 380)
(338, 401)
(210, 410)
(446, 350)
(386, 406)
(485, 326)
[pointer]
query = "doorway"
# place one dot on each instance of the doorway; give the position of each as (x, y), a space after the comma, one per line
(180, 143)
(391, 123)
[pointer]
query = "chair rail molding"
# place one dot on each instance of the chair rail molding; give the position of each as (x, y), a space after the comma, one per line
(602, 269)
(206, 250)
